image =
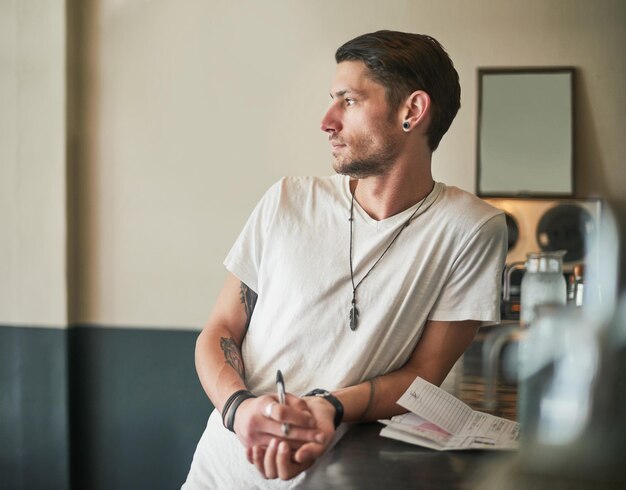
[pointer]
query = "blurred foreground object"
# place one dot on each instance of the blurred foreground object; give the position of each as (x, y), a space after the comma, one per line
(573, 391)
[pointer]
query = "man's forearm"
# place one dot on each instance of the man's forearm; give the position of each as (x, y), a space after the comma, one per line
(376, 398)
(219, 365)
(219, 362)
(441, 345)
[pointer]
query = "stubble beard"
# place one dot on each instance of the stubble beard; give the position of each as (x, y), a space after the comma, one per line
(368, 160)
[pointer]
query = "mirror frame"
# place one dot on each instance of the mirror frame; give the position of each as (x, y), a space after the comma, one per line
(524, 70)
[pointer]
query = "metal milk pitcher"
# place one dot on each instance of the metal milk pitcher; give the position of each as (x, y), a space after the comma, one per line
(542, 283)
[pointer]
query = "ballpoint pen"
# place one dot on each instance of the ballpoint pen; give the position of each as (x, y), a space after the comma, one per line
(280, 388)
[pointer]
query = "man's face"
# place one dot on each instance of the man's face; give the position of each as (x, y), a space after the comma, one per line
(364, 133)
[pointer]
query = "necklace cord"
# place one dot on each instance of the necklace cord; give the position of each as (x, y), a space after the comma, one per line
(354, 311)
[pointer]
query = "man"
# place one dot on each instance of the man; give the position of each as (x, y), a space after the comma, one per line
(356, 283)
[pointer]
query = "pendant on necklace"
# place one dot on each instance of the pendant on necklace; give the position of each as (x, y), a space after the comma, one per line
(354, 314)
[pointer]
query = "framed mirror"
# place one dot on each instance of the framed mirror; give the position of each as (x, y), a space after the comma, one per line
(525, 132)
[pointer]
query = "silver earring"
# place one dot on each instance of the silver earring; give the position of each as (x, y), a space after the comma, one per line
(406, 125)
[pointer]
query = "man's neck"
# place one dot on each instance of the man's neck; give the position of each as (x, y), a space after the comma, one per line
(387, 195)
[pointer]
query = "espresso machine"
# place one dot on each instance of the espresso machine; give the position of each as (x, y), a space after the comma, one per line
(545, 225)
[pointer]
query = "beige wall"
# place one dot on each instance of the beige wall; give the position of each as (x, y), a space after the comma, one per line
(32, 163)
(191, 109)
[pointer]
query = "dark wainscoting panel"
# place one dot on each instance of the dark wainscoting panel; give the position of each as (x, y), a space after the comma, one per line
(137, 408)
(98, 408)
(34, 444)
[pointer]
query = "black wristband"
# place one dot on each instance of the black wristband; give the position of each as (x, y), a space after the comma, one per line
(232, 410)
(229, 403)
(227, 406)
(333, 400)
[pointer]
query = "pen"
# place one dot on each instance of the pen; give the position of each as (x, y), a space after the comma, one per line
(280, 388)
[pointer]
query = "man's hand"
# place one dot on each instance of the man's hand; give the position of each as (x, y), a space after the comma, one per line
(259, 420)
(324, 414)
(284, 460)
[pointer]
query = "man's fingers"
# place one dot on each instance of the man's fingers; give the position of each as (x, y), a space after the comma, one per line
(269, 461)
(299, 436)
(295, 416)
(258, 454)
(281, 414)
(286, 469)
(276, 460)
(296, 402)
(308, 452)
(272, 428)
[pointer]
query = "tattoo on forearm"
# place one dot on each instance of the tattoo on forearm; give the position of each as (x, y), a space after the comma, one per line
(248, 299)
(232, 355)
(370, 402)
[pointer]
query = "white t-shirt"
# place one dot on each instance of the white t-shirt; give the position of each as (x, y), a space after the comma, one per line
(294, 253)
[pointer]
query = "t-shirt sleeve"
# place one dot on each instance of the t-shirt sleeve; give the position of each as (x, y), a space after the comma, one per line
(244, 258)
(472, 290)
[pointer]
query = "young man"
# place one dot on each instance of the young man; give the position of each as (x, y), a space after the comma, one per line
(355, 283)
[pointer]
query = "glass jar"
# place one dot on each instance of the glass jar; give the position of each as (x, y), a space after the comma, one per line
(543, 283)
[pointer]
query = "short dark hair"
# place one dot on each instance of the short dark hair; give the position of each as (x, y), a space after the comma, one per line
(403, 63)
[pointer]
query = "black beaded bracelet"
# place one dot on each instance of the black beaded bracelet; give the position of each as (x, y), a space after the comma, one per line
(232, 409)
(333, 400)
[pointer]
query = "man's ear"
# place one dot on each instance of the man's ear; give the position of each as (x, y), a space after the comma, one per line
(416, 110)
